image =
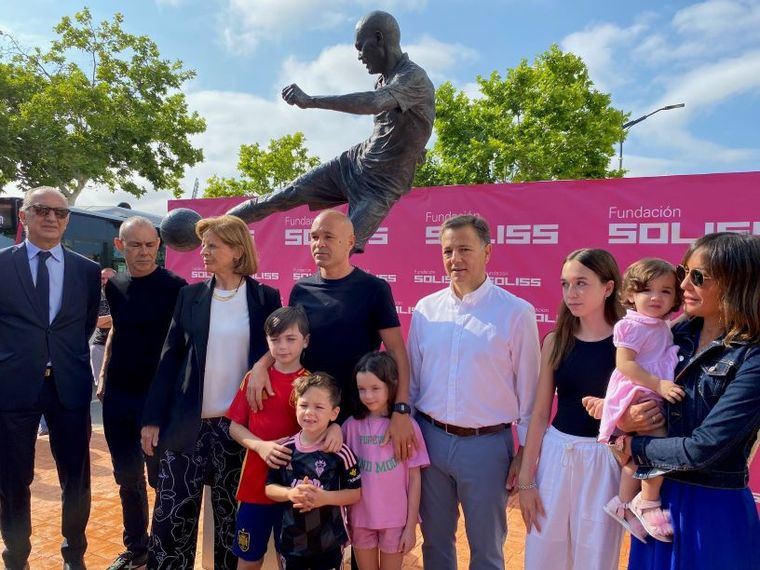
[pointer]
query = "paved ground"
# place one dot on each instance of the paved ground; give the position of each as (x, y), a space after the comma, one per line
(104, 530)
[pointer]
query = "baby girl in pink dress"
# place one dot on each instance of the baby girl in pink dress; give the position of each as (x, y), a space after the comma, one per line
(645, 360)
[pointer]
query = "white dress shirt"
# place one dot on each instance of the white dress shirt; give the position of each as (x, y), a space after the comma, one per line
(475, 360)
(54, 265)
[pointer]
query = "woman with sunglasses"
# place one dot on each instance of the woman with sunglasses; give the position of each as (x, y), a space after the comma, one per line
(711, 431)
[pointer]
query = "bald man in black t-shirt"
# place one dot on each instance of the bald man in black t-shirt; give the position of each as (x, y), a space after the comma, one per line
(350, 313)
(142, 303)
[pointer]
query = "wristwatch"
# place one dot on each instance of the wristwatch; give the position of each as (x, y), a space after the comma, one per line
(402, 408)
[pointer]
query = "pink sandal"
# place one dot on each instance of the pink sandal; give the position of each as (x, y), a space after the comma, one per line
(655, 520)
(618, 510)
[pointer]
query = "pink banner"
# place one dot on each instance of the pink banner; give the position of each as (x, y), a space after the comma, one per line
(533, 227)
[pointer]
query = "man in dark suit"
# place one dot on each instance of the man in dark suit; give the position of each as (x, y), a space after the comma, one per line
(49, 300)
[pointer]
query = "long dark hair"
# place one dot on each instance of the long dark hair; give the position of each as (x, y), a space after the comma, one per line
(733, 261)
(382, 365)
(605, 267)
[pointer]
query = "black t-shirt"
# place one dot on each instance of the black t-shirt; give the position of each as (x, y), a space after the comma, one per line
(585, 372)
(141, 310)
(345, 319)
(319, 530)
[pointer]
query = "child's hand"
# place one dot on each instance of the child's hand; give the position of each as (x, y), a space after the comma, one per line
(670, 391)
(314, 496)
(299, 497)
(333, 439)
(408, 538)
(273, 454)
(594, 406)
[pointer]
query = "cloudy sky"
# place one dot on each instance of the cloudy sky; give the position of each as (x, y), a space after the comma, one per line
(646, 54)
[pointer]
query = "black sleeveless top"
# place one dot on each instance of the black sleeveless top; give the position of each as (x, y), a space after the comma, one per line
(585, 372)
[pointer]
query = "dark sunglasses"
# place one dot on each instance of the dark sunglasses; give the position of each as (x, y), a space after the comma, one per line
(696, 276)
(43, 211)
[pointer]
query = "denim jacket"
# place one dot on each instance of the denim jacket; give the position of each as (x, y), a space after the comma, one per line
(711, 431)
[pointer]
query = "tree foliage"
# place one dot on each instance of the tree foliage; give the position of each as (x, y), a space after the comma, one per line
(100, 106)
(543, 121)
(265, 170)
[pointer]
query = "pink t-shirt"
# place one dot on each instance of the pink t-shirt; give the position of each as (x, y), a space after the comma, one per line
(384, 482)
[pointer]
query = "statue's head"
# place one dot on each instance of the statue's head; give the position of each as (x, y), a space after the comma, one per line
(378, 38)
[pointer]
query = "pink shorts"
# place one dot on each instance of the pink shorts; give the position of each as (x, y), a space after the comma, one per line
(388, 539)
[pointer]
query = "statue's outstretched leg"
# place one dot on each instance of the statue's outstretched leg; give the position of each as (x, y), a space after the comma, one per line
(366, 216)
(317, 188)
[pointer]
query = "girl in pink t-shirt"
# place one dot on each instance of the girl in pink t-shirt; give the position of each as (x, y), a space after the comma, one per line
(383, 523)
(645, 361)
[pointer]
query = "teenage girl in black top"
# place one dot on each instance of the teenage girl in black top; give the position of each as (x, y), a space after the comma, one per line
(566, 476)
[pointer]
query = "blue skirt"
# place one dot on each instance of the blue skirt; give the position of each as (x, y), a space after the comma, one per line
(713, 528)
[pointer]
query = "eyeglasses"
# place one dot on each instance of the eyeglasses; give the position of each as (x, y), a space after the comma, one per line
(696, 276)
(43, 211)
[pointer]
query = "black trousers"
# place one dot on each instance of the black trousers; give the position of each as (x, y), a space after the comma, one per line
(70, 445)
(216, 460)
(122, 413)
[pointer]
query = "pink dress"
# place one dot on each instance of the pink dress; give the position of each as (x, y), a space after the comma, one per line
(652, 341)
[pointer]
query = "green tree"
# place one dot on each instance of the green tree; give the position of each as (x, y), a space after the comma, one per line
(99, 107)
(265, 170)
(544, 121)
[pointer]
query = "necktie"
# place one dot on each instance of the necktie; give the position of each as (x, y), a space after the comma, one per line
(43, 283)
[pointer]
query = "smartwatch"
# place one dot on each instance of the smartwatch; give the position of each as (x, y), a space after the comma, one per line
(402, 408)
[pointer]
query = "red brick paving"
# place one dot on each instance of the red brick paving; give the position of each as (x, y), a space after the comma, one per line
(104, 529)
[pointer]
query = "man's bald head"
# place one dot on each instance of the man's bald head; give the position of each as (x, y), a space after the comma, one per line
(138, 241)
(35, 194)
(332, 238)
(378, 41)
(128, 225)
(383, 22)
(336, 219)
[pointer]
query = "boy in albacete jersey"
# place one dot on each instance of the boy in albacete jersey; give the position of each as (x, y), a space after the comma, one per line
(315, 485)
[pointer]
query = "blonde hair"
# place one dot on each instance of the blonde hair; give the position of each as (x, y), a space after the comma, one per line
(234, 233)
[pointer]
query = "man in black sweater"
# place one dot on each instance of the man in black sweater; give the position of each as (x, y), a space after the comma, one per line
(142, 303)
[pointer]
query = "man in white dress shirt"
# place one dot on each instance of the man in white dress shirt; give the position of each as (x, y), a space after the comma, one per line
(474, 355)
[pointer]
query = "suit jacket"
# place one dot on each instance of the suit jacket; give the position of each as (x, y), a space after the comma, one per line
(175, 397)
(24, 332)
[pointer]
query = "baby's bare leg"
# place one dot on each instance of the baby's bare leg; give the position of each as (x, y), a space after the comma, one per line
(628, 485)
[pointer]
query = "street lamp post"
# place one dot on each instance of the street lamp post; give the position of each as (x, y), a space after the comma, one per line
(629, 124)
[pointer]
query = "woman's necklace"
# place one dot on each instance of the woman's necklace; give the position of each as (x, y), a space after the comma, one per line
(225, 298)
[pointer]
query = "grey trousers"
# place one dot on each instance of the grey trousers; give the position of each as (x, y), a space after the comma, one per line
(471, 471)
